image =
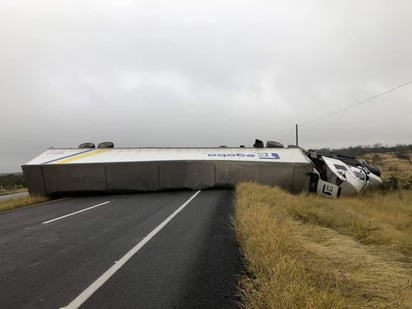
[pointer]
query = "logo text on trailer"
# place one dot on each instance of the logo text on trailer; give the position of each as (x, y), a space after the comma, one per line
(263, 155)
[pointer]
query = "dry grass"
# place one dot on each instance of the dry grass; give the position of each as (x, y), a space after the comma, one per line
(311, 252)
(21, 202)
(392, 165)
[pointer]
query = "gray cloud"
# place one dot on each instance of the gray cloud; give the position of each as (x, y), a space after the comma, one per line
(189, 73)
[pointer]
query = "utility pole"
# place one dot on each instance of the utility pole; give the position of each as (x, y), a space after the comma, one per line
(297, 135)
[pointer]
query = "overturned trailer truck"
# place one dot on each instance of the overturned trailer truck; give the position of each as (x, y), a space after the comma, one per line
(113, 170)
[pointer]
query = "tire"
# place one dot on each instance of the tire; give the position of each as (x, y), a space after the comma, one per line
(86, 145)
(273, 144)
(105, 145)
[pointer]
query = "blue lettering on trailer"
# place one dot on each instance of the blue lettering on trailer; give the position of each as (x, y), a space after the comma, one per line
(269, 156)
(263, 155)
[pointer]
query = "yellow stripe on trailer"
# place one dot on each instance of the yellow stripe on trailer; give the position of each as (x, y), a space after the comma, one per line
(81, 156)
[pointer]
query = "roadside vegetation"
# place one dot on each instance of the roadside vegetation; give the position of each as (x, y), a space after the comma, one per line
(12, 183)
(21, 202)
(305, 251)
(396, 167)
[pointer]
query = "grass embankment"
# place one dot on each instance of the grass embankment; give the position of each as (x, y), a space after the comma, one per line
(312, 252)
(21, 202)
(394, 166)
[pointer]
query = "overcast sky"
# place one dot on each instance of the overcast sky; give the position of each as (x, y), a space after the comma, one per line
(201, 73)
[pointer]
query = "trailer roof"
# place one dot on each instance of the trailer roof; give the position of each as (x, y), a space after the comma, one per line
(114, 155)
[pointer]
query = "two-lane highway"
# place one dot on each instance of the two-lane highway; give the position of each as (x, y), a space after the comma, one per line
(150, 250)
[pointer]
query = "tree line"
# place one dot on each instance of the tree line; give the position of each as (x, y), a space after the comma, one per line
(401, 151)
(11, 181)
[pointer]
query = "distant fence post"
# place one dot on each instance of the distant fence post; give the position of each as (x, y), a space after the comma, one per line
(400, 189)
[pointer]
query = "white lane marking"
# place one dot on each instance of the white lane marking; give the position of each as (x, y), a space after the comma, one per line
(75, 213)
(79, 300)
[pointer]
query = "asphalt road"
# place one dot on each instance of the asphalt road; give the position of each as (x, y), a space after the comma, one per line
(13, 196)
(151, 250)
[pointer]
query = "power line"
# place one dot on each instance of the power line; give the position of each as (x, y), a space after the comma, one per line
(358, 103)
